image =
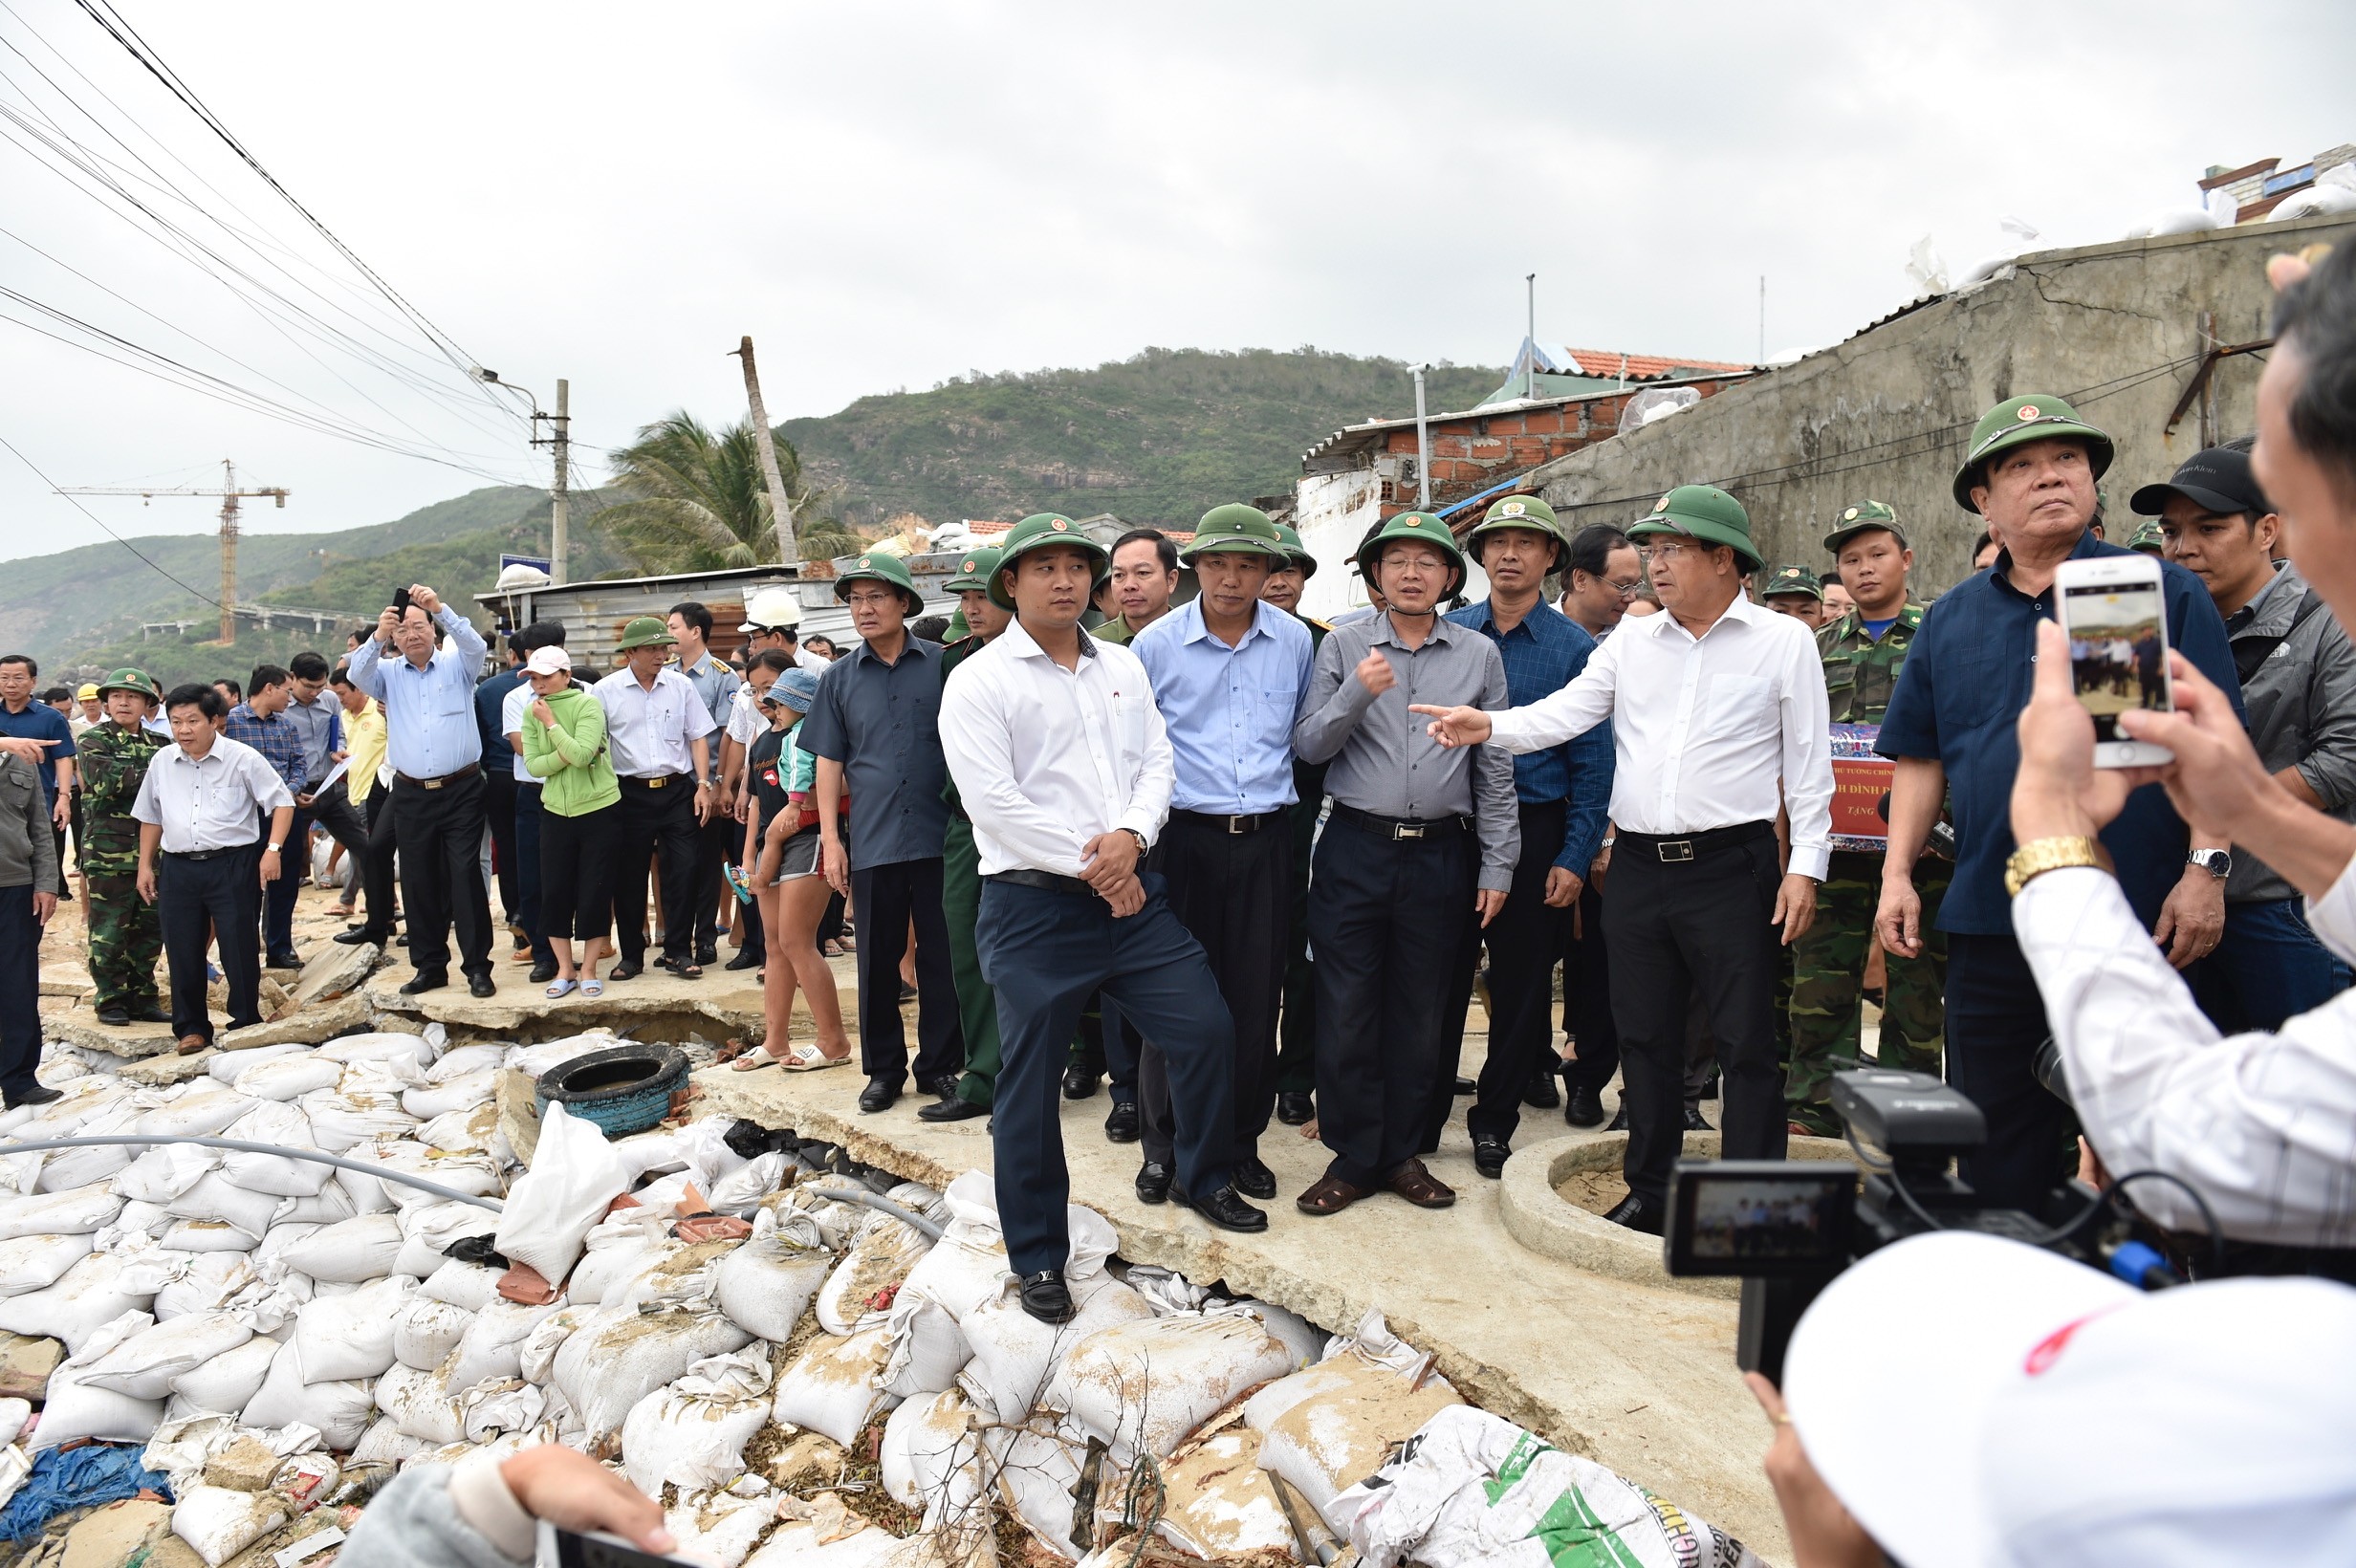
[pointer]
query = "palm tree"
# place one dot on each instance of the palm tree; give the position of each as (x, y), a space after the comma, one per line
(694, 501)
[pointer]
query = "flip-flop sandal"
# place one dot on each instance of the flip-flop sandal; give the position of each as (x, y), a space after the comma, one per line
(807, 1058)
(753, 1060)
(562, 988)
(593, 988)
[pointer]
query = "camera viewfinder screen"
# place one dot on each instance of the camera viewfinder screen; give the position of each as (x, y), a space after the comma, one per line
(1737, 1221)
(2118, 653)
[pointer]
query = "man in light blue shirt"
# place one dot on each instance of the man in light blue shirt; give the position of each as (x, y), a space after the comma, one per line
(1229, 674)
(437, 756)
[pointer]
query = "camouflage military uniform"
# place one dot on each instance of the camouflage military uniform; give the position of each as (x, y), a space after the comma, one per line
(1829, 961)
(125, 937)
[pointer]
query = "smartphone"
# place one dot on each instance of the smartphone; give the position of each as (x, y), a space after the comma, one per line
(563, 1549)
(401, 602)
(2117, 623)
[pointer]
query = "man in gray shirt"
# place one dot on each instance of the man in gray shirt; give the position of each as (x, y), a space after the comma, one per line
(1421, 839)
(27, 898)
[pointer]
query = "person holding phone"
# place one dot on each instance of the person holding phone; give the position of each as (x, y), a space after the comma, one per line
(487, 1510)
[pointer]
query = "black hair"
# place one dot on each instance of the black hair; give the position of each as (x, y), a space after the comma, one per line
(542, 634)
(695, 614)
(515, 644)
(204, 699)
(31, 670)
(931, 628)
(1591, 549)
(2244, 444)
(2317, 314)
(1987, 537)
(57, 695)
(310, 664)
(1163, 546)
(340, 676)
(236, 693)
(354, 639)
(267, 675)
(1831, 578)
(776, 659)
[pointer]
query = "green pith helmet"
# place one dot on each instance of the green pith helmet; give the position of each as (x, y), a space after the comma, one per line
(1421, 526)
(137, 682)
(1792, 579)
(878, 566)
(2149, 538)
(975, 570)
(1707, 513)
(1236, 529)
(1525, 512)
(1036, 531)
(644, 632)
(1297, 552)
(2032, 416)
(1864, 519)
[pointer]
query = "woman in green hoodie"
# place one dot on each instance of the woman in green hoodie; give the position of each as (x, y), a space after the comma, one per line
(564, 746)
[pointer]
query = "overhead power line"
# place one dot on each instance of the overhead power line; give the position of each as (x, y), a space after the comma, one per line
(127, 544)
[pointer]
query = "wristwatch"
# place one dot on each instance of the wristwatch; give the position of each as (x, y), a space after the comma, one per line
(1142, 845)
(275, 848)
(2217, 862)
(2038, 856)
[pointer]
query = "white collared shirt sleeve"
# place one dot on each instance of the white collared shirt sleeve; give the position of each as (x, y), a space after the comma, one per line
(1807, 757)
(1157, 773)
(2262, 1125)
(1560, 715)
(2333, 916)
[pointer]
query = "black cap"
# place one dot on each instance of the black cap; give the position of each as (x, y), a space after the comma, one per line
(2217, 480)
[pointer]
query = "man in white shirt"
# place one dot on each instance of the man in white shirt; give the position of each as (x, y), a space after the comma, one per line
(655, 726)
(1724, 722)
(1061, 759)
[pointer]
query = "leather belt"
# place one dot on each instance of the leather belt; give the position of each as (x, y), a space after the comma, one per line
(247, 847)
(1677, 851)
(1399, 828)
(1022, 876)
(660, 781)
(452, 777)
(1230, 825)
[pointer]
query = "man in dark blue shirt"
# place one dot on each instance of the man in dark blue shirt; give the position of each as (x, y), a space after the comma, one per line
(2030, 471)
(47, 739)
(1563, 794)
(499, 796)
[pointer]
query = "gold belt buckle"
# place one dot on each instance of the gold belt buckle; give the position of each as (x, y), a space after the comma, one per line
(1675, 850)
(656, 782)
(431, 783)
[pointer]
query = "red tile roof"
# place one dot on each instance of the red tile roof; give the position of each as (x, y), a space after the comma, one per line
(1605, 362)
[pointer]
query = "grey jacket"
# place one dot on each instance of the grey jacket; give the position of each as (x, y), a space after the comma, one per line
(28, 843)
(412, 1523)
(2301, 703)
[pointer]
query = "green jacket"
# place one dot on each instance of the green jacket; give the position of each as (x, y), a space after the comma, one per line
(1861, 673)
(113, 763)
(570, 759)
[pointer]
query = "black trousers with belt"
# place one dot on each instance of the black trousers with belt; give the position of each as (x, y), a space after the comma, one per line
(1690, 916)
(1586, 998)
(1232, 892)
(657, 815)
(1995, 1021)
(378, 863)
(887, 898)
(1385, 917)
(1524, 942)
(216, 894)
(441, 835)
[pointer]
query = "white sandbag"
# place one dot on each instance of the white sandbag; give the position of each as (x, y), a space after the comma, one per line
(796, 1544)
(461, 1060)
(469, 1131)
(425, 1331)
(339, 1410)
(135, 1218)
(493, 1344)
(692, 1433)
(765, 1285)
(228, 1383)
(284, 1077)
(679, 1275)
(202, 1110)
(602, 1269)
(208, 1237)
(473, 1173)
(699, 1150)
(65, 1169)
(350, 1251)
(833, 1387)
(213, 1198)
(616, 1357)
(859, 1289)
(219, 1522)
(94, 1292)
(343, 1338)
(164, 1172)
(75, 1212)
(509, 1404)
(205, 1283)
(1219, 1503)
(428, 1229)
(384, 1047)
(283, 1237)
(928, 1348)
(470, 1286)
(719, 1528)
(1015, 1355)
(463, 1093)
(926, 1442)
(533, 1060)
(1145, 1386)
(421, 1405)
(73, 1408)
(226, 1065)
(330, 1205)
(1035, 1473)
(737, 1191)
(13, 1414)
(283, 1125)
(145, 1365)
(575, 1177)
(34, 1263)
(1305, 1339)
(340, 1123)
(387, 1443)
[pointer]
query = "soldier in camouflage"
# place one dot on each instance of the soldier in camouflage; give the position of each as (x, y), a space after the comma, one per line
(127, 937)
(1794, 591)
(1863, 652)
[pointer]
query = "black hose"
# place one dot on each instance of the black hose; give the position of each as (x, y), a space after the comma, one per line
(381, 1172)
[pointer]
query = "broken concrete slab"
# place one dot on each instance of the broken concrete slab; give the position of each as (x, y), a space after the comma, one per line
(311, 1025)
(162, 1072)
(66, 980)
(75, 1024)
(118, 1533)
(26, 1363)
(336, 970)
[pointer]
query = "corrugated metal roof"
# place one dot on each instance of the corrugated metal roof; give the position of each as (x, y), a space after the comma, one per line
(1355, 438)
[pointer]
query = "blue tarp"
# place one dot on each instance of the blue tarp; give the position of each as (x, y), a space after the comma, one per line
(64, 1479)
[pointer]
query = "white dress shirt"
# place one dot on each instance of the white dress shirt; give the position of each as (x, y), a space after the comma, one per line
(512, 725)
(2263, 1125)
(1703, 729)
(649, 731)
(1046, 758)
(745, 724)
(216, 802)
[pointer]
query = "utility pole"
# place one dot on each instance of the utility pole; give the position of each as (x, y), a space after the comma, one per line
(780, 509)
(1529, 376)
(559, 493)
(229, 495)
(1423, 446)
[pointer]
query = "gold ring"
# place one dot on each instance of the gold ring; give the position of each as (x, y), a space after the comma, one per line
(1779, 1420)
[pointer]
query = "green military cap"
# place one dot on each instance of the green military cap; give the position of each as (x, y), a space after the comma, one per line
(975, 570)
(1420, 526)
(881, 566)
(1792, 579)
(1707, 513)
(2148, 537)
(2032, 416)
(1864, 519)
(137, 682)
(1236, 529)
(644, 632)
(1037, 531)
(1519, 512)
(1302, 561)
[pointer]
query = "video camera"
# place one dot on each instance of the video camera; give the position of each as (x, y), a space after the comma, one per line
(1786, 1227)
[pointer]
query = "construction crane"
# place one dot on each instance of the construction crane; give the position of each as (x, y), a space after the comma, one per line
(229, 495)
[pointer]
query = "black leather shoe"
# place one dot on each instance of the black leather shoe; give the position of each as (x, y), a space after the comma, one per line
(1488, 1156)
(1466, 1086)
(747, 958)
(1584, 1108)
(1224, 1208)
(941, 1087)
(421, 984)
(288, 960)
(1079, 1082)
(113, 1017)
(1295, 1110)
(1120, 1124)
(38, 1094)
(542, 973)
(1618, 1119)
(625, 970)
(363, 938)
(480, 984)
(1541, 1093)
(1254, 1178)
(1693, 1122)
(949, 1108)
(150, 1014)
(880, 1095)
(1636, 1214)
(1045, 1298)
(708, 954)
(1153, 1182)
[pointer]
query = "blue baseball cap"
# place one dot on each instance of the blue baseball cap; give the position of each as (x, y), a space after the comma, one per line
(796, 688)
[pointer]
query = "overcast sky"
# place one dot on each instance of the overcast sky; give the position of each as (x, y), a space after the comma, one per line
(887, 196)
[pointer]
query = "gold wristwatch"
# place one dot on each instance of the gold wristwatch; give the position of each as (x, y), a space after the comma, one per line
(2038, 856)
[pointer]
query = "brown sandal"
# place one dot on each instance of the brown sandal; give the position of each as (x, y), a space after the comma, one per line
(1331, 1195)
(1420, 1188)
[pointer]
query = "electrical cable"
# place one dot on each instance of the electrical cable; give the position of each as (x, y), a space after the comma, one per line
(2207, 1215)
(102, 522)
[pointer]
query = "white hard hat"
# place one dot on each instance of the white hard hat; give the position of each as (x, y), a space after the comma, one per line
(770, 609)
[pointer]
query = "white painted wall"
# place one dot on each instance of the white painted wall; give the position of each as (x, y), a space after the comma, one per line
(1332, 511)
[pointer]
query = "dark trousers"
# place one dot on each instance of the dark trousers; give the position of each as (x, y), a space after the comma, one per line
(1386, 921)
(1681, 929)
(1232, 892)
(500, 814)
(656, 816)
(20, 989)
(977, 1006)
(578, 856)
(1995, 1021)
(2270, 966)
(527, 842)
(441, 837)
(716, 844)
(1586, 999)
(888, 897)
(1524, 942)
(378, 863)
(219, 895)
(1043, 952)
(1297, 1034)
(332, 810)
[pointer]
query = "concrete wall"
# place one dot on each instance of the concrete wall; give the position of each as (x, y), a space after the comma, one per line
(1332, 512)
(1886, 414)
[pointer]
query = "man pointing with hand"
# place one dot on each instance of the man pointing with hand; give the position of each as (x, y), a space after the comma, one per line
(1726, 723)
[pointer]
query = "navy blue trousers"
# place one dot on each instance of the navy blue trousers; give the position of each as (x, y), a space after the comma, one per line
(20, 989)
(1043, 952)
(2271, 966)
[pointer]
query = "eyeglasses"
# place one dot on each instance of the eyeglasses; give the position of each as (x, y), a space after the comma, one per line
(1626, 590)
(1665, 549)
